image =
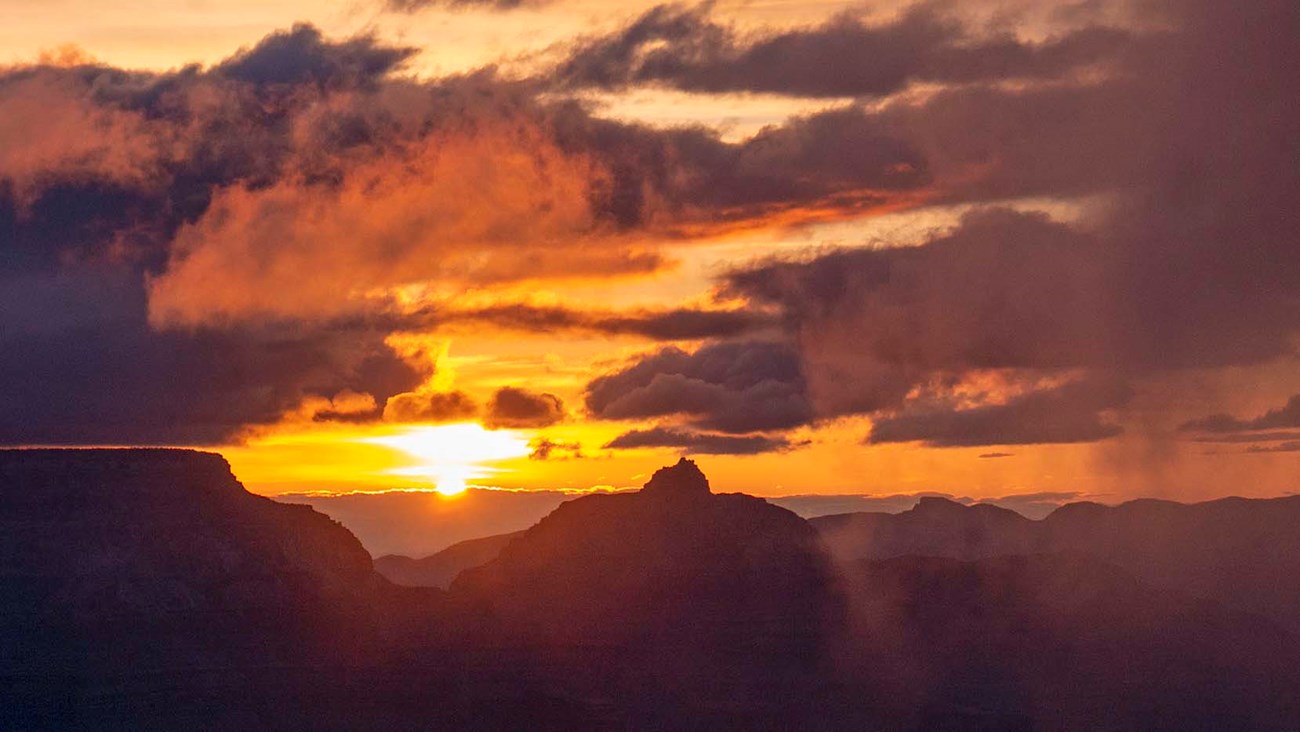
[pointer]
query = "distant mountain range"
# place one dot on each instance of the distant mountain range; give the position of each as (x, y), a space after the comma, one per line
(438, 570)
(147, 589)
(1243, 553)
(421, 523)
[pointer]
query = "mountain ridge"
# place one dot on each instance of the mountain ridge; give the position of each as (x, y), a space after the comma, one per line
(1241, 552)
(440, 568)
(149, 589)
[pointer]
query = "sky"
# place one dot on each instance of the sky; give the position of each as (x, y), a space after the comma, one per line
(986, 249)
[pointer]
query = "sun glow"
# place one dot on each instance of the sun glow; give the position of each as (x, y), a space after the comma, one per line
(453, 456)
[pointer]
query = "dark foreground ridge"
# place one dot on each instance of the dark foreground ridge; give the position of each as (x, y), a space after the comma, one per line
(148, 589)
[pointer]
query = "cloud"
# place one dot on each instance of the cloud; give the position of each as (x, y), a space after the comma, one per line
(680, 47)
(663, 325)
(1293, 446)
(1005, 290)
(1237, 437)
(734, 387)
(996, 455)
(436, 210)
(346, 406)
(53, 132)
(79, 365)
(1224, 428)
(1284, 417)
(99, 168)
(430, 407)
(515, 408)
(1070, 413)
(699, 443)
(686, 180)
(240, 230)
(305, 154)
(188, 253)
(1183, 258)
(1188, 263)
(301, 55)
(544, 448)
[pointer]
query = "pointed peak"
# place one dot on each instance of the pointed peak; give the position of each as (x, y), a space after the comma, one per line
(683, 479)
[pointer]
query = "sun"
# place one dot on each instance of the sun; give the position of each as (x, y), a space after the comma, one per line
(452, 456)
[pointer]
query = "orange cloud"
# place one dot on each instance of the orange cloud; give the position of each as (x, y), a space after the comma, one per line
(469, 208)
(51, 130)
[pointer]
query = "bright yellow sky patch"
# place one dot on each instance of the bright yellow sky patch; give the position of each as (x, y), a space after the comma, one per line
(453, 456)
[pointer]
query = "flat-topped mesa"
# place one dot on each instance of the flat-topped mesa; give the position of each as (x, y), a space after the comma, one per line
(154, 533)
(64, 480)
(938, 505)
(685, 479)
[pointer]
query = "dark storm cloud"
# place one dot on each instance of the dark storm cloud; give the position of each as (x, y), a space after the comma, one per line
(1070, 413)
(260, 165)
(733, 387)
(79, 365)
(1284, 417)
(97, 157)
(1189, 262)
(515, 408)
(301, 56)
(103, 167)
(698, 443)
(843, 159)
(1005, 290)
(679, 46)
